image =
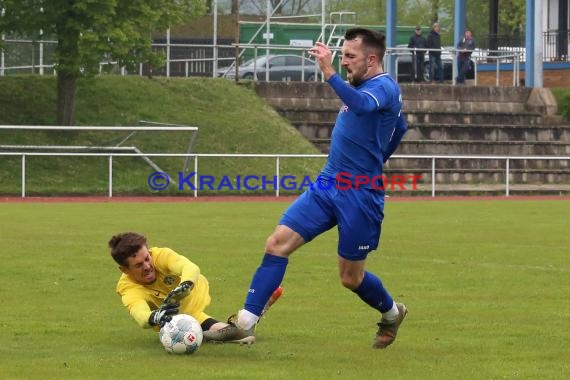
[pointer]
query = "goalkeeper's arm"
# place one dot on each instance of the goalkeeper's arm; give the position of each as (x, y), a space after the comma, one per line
(179, 293)
(163, 314)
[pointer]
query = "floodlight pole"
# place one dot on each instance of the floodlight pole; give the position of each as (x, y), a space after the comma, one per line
(215, 40)
(2, 37)
(2, 56)
(391, 35)
(323, 19)
(168, 53)
(267, 40)
(237, 38)
(41, 49)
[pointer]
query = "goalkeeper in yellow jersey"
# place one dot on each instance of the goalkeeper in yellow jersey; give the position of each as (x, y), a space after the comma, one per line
(158, 283)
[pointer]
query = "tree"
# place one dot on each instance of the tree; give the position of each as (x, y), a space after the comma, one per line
(90, 31)
(281, 7)
(366, 12)
(511, 20)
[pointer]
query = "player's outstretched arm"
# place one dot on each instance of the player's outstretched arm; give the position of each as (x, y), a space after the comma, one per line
(179, 293)
(163, 314)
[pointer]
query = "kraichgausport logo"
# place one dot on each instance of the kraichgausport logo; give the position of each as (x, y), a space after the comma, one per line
(159, 181)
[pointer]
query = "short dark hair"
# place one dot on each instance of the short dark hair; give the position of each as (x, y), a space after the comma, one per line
(370, 38)
(125, 245)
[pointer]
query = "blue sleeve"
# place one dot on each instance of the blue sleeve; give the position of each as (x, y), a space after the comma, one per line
(399, 132)
(358, 102)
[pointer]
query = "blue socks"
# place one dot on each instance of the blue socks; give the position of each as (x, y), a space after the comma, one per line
(374, 294)
(265, 280)
(270, 273)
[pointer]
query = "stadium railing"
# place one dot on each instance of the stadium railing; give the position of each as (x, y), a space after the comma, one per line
(94, 149)
(278, 158)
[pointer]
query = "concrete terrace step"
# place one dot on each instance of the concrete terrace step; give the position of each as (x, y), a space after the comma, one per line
(309, 116)
(306, 103)
(423, 105)
(473, 147)
(454, 164)
(410, 106)
(462, 106)
(473, 118)
(482, 147)
(443, 189)
(466, 93)
(409, 92)
(516, 176)
(488, 132)
(270, 90)
(422, 117)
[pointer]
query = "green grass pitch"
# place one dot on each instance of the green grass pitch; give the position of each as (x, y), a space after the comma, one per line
(487, 284)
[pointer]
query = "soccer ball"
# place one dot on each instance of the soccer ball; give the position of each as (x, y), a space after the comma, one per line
(182, 335)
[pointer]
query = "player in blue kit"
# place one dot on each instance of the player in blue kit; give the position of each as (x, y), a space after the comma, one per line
(368, 129)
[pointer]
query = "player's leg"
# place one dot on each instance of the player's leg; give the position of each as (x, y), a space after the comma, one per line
(370, 289)
(195, 305)
(220, 332)
(274, 297)
(359, 233)
(304, 219)
(367, 286)
(269, 275)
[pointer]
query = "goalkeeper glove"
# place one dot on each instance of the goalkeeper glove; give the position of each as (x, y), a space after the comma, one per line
(163, 314)
(179, 292)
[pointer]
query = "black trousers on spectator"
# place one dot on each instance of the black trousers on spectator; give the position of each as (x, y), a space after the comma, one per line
(418, 66)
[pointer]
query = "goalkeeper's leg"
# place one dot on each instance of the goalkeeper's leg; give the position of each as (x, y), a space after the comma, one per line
(232, 334)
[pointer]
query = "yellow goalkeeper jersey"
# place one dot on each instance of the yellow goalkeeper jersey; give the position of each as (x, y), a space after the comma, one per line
(171, 269)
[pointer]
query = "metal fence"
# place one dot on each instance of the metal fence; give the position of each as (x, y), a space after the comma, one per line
(433, 186)
(201, 57)
(187, 60)
(555, 44)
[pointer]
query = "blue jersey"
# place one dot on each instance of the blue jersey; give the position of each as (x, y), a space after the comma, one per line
(363, 135)
(367, 131)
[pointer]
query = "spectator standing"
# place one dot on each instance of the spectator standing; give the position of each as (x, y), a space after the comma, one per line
(465, 47)
(434, 42)
(417, 41)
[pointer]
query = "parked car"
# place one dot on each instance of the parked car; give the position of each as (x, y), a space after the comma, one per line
(447, 55)
(282, 67)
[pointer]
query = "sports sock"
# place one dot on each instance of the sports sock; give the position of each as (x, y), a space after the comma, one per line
(374, 294)
(265, 280)
(246, 319)
(208, 323)
(392, 314)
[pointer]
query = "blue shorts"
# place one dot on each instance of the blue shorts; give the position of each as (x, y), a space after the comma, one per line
(358, 214)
